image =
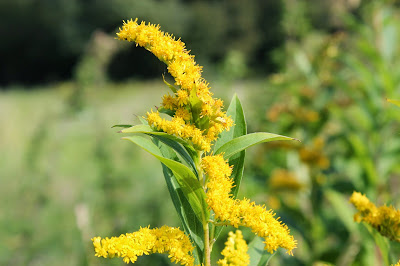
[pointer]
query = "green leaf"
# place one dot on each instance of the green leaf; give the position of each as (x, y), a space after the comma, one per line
(382, 243)
(137, 129)
(146, 129)
(166, 111)
(241, 143)
(187, 153)
(173, 89)
(179, 149)
(235, 111)
(185, 177)
(190, 223)
(143, 120)
(258, 256)
(123, 126)
(342, 209)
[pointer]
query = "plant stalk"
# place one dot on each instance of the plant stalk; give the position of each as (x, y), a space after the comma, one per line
(207, 250)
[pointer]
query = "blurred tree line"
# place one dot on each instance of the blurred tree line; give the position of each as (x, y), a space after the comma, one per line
(43, 40)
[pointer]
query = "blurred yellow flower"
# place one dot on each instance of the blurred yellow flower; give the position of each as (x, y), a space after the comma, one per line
(147, 241)
(282, 179)
(235, 251)
(385, 219)
(314, 155)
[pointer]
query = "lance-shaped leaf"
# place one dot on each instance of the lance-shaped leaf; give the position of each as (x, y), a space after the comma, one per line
(241, 143)
(186, 178)
(123, 126)
(190, 223)
(179, 145)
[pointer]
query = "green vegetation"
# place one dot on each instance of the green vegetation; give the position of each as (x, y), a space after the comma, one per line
(65, 176)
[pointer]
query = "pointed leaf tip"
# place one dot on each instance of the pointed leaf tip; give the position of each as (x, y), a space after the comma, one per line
(243, 142)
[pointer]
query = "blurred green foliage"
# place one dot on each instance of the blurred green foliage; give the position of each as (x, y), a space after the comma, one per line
(332, 97)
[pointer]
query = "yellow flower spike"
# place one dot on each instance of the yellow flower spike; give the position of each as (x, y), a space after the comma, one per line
(194, 95)
(385, 219)
(242, 212)
(235, 251)
(147, 241)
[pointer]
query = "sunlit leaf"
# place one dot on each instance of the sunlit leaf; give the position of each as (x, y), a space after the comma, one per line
(190, 222)
(185, 177)
(174, 142)
(241, 143)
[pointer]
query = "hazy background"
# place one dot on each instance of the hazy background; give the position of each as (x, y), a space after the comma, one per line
(319, 71)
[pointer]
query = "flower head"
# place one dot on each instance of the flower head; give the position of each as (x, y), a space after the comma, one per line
(147, 241)
(193, 102)
(385, 219)
(242, 212)
(235, 251)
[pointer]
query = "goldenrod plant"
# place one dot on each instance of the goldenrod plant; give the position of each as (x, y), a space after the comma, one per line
(384, 219)
(202, 150)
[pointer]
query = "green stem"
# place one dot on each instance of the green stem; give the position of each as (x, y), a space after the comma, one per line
(207, 250)
(202, 179)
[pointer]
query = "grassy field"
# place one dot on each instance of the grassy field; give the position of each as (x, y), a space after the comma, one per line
(67, 177)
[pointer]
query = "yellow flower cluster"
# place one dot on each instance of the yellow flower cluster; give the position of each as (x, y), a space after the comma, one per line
(314, 155)
(242, 212)
(147, 241)
(385, 219)
(192, 106)
(300, 114)
(282, 179)
(235, 251)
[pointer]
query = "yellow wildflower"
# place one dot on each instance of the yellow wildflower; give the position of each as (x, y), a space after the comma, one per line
(169, 102)
(397, 264)
(183, 113)
(182, 97)
(242, 212)
(193, 96)
(147, 241)
(235, 251)
(385, 219)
